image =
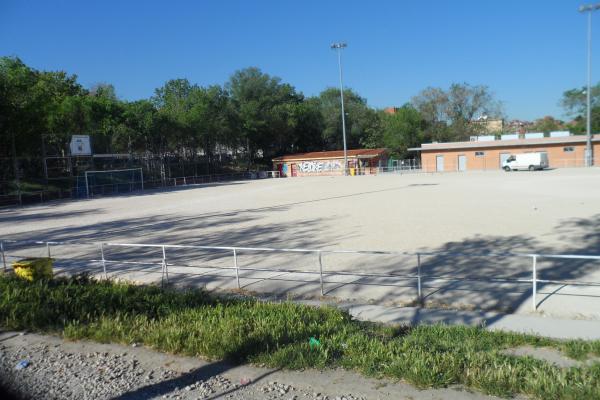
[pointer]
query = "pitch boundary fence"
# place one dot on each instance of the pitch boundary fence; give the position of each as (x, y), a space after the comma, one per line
(40, 196)
(319, 264)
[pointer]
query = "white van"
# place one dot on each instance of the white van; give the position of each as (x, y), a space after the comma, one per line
(526, 161)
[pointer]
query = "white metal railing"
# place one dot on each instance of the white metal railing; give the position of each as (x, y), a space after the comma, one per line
(235, 250)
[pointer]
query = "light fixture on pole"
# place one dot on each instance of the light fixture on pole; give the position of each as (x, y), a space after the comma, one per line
(589, 160)
(339, 47)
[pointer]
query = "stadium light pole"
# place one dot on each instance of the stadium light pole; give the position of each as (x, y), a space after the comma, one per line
(589, 8)
(339, 47)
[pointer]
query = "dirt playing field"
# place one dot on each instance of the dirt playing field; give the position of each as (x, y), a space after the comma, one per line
(467, 214)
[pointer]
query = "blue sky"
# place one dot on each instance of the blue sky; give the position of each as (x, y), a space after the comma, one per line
(527, 52)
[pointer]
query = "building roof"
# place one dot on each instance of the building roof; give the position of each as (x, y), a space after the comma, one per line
(504, 143)
(322, 155)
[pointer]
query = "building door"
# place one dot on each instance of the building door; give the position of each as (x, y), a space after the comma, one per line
(439, 163)
(462, 162)
(284, 169)
(294, 170)
(503, 157)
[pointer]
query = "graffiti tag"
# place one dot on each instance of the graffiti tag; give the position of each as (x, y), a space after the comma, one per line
(319, 166)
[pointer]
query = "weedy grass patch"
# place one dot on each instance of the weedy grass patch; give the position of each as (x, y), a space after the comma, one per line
(196, 323)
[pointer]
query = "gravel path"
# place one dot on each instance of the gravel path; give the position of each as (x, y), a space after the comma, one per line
(60, 369)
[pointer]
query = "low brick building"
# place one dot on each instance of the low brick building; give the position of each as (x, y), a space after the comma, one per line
(568, 151)
(318, 163)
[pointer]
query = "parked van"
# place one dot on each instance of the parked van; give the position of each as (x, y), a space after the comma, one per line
(526, 161)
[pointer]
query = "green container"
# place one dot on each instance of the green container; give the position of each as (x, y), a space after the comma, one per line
(34, 269)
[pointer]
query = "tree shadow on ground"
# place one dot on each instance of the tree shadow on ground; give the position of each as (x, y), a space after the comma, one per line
(239, 228)
(482, 272)
(199, 374)
(495, 273)
(17, 217)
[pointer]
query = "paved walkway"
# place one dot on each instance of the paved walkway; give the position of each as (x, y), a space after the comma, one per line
(529, 324)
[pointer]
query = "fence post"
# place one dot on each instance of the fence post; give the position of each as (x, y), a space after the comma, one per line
(237, 269)
(87, 186)
(165, 270)
(534, 282)
(3, 256)
(48, 249)
(419, 293)
(103, 260)
(321, 272)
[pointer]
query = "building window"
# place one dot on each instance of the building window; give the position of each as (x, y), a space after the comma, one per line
(479, 154)
(568, 149)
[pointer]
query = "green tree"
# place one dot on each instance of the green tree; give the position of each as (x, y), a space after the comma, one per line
(264, 109)
(308, 125)
(574, 102)
(173, 103)
(209, 118)
(399, 131)
(547, 124)
(450, 113)
(139, 131)
(362, 122)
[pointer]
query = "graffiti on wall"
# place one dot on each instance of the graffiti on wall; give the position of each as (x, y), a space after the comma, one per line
(319, 166)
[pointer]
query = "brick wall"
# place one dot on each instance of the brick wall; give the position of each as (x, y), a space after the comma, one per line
(490, 160)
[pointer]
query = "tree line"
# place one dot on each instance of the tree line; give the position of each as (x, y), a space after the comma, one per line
(253, 116)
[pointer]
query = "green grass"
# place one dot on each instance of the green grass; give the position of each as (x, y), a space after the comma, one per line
(277, 335)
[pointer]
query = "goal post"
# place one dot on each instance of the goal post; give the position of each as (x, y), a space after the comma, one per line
(113, 181)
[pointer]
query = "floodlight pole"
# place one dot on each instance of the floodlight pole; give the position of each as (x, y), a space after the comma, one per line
(588, 147)
(339, 47)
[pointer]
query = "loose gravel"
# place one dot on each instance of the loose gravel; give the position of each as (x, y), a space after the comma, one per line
(54, 373)
(54, 368)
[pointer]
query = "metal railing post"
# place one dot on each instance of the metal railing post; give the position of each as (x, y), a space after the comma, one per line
(3, 256)
(165, 269)
(103, 260)
(419, 293)
(237, 269)
(534, 282)
(321, 273)
(48, 249)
